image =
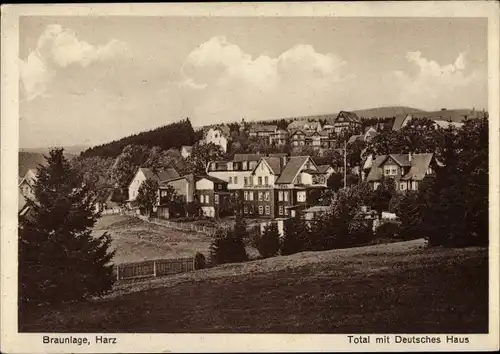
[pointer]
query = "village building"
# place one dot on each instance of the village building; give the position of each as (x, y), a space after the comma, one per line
(346, 121)
(236, 171)
(305, 126)
(261, 131)
(218, 136)
(442, 118)
(279, 137)
(26, 189)
(367, 137)
(186, 151)
(213, 196)
(143, 174)
(407, 170)
(280, 185)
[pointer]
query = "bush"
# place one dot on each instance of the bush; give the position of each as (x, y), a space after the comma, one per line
(227, 247)
(268, 244)
(199, 261)
(388, 230)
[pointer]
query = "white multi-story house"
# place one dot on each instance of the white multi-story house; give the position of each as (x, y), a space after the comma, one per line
(216, 136)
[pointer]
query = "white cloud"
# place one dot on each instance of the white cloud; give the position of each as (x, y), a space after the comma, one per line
(59, 48)
(437, 85)
(295, 82)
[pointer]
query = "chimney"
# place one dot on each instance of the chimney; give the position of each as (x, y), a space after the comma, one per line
(284, 160)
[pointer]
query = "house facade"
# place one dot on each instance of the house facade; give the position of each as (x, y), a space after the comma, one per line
(407, 170)
(279, 137)
(212, 196)
(216, 136)
(235, 172)
(267, 132)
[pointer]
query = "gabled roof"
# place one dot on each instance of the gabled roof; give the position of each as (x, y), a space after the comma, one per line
(246, 157)
(292, 168)
(354, 138)
(324, 168)
(348, 117)
(418, 166)
(160, 176)
(274, 164)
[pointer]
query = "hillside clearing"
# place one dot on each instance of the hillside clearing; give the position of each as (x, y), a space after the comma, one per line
(397, 288)
(137, 240)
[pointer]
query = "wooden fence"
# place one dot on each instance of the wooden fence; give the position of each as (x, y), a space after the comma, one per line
(154, 268)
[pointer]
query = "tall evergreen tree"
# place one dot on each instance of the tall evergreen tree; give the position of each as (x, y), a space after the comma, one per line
(59, 258)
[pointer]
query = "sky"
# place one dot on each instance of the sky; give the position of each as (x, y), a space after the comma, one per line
(91, 80)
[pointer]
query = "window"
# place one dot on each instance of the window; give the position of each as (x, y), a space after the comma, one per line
(202, 199)
(207, 199)
(266, 196)
(250, 195)
(268, 210)
(261, 210)
(260, 181)
(235, 179)
(244, 165)
(301, 196)
(280, 210)
(245, 181)
(402, 186)
(260, 196)
(280, 196)
(286, 210)
(266, 180)
(216, 199)
(245, 195)
(262, 167)
(219, 186)
(299, 179)
(230, 180)
(285, 196)
(245, 209)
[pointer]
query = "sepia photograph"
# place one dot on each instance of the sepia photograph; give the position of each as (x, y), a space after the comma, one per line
(242, 174)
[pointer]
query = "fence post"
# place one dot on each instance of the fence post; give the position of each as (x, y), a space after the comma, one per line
(154, 268)
(118, 272)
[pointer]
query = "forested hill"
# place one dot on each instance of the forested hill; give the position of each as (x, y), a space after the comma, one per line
(169, 136)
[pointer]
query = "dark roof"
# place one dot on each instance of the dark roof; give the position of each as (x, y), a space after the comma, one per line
(274, 163)
(323, 168)
(419, 164)
(190, 178)
(211, 178)
(313, 172)
(354, 138)
(292, 168)
(160, 176)
(348, 116)
(246, 157)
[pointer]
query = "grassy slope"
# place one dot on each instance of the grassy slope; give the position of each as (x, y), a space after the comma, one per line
(398, 288)
(136, 240)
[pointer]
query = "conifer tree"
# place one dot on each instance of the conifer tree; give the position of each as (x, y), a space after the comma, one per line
(268, 244)
(59, 258)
